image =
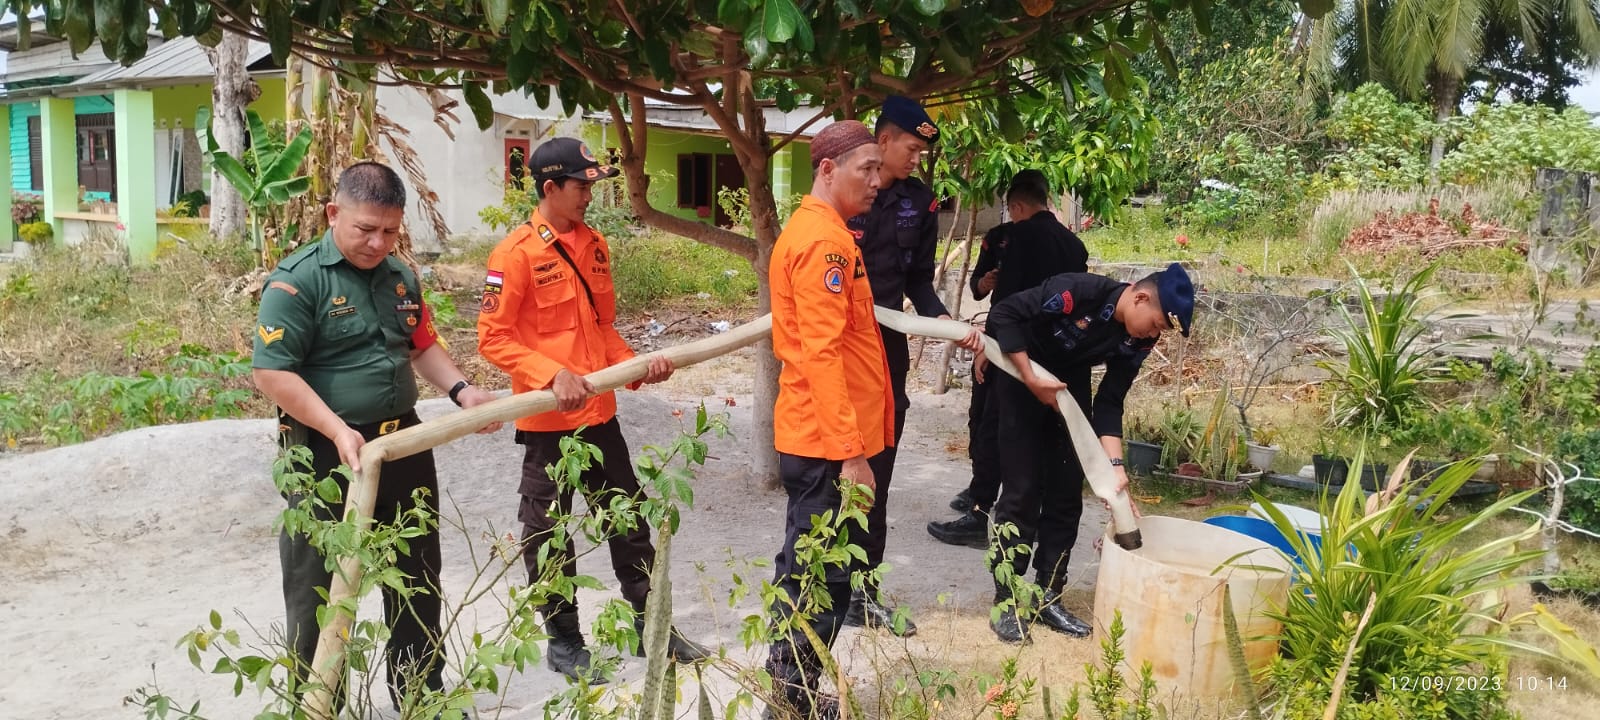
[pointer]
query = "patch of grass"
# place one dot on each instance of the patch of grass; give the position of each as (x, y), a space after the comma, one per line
(656, 267)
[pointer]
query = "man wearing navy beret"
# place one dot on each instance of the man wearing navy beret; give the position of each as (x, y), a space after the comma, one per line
(1072, 322)
(897, 237)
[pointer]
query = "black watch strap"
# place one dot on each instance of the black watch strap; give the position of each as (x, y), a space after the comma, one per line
(455, 391)
(1116, 462)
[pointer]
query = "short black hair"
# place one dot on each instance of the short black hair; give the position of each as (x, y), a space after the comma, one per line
(1150, 282)
(371, 183)
(561, 182)
(1028, 193)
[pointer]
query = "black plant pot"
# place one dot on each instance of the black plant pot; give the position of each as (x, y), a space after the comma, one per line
(1427, 470)
(1329, 470)
(1143, 458)
(1374, 476)
(1544, 591)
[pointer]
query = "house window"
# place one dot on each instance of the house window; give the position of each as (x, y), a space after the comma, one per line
(694, 180)
(35, 156)
(97, 153)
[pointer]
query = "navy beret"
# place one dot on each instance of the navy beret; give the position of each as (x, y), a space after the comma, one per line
(1176, 293)
(910, 116)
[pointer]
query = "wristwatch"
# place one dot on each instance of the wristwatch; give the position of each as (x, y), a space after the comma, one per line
(455, 391)
(1116, 462)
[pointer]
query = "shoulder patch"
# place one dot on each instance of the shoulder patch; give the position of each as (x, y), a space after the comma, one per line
(833, 279)
(836, 259)
(281, 285)
(546, 234)
(269, 334)
(1059, 303)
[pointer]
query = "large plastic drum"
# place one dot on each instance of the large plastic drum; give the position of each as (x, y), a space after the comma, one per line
(1170, 594)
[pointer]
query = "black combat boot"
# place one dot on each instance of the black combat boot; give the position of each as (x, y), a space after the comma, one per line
(867, 611)
(679, 648)
(963, 501)
(567, 654)
(970, 530)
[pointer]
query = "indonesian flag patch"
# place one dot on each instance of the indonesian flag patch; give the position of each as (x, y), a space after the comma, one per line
(494, 282)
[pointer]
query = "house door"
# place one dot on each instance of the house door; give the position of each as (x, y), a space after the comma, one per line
(97, 153)
(729, 176)
(517, 163)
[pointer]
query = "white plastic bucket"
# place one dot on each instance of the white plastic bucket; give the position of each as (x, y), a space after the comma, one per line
(1171, 603)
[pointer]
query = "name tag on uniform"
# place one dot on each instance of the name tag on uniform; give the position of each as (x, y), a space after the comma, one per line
(407, 307)
(341, 311)
(548, 279)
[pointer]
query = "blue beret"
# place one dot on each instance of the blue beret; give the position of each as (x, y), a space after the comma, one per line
(910, 116)
(1176, 294)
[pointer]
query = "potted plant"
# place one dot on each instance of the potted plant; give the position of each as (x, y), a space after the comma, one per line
(1179, 431)
(1143, 443)
(1260, 448)
(1219, 451)
(1328, 466)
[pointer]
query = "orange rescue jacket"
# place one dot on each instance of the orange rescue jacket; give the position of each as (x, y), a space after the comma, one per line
(834, 400)
(536, 318)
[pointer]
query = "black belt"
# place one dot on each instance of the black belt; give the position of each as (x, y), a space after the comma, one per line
(384, 427)
(294, 433)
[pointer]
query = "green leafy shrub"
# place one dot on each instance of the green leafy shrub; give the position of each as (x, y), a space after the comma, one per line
(655, 267)
(51, 410)
(1382, 142)
(1380, 383)
(1392, 587)
(35, 232)
(1514, 139)
(613, 222)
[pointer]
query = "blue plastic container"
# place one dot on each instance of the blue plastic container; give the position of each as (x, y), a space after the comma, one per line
(1265, 532)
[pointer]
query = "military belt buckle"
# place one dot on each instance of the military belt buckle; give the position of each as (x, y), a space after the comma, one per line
(388, 426)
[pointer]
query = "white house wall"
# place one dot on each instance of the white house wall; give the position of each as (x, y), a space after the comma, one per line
(466, 173)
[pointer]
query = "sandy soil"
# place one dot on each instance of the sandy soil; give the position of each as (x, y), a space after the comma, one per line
(113, 549)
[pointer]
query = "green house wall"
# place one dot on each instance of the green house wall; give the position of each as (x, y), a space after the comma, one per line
(172, 104)
(790, 171)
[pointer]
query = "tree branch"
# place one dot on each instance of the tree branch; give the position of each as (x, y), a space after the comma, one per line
(631, 136)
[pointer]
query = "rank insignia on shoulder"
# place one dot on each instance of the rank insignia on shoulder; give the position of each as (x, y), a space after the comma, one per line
(339, 300)
(269, 334)
(400, 290)
(281, 285)
(546, 234)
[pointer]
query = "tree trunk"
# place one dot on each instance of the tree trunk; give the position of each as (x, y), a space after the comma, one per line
(633, 139)
(764, 222)
(1446, 95)
(231, 91)
(943, 383)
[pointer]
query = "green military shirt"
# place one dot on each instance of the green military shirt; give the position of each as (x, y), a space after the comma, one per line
(347, 332)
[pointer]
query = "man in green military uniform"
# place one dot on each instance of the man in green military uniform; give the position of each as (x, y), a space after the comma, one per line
(341, 336)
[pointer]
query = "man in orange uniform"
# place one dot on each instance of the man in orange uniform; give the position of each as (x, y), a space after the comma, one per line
(546, 320)
(835, 408)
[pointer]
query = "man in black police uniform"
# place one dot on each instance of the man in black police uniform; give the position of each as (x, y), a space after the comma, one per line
(898, 238)
(1071, 321)
(341, 335)
(1016, 255)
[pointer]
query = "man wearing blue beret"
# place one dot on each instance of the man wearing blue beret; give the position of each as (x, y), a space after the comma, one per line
(1072, 322)
(898, 238)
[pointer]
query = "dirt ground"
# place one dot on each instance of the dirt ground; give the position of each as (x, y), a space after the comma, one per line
(113, 549)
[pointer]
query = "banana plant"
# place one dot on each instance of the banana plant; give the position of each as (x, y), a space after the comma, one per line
(266, 176)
